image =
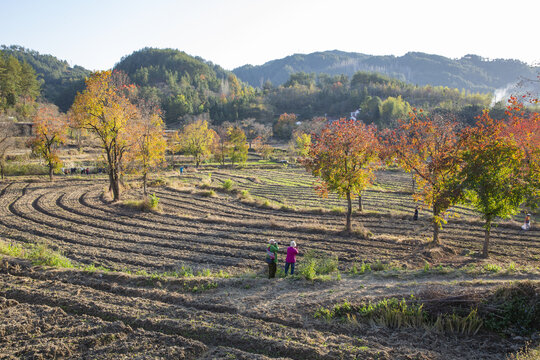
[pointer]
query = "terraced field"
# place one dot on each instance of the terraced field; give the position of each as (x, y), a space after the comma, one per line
(391, 191)
(76, 313)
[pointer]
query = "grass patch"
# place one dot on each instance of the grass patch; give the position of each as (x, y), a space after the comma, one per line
(362, 232)
(207, 193)
(17, 169)
(492, 268)
(337, 210)
(150, 203)
(319, 265)
(39, 254)
(527, 353)
(159, 182)
(245, 197)
(509, 310)
(399, 313)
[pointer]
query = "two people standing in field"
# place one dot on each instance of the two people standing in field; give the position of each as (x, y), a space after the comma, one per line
(271, 258)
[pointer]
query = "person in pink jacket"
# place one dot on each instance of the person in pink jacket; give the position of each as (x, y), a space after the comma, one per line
(290, 260)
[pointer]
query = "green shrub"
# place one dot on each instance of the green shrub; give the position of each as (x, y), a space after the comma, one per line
(154, 201)
(316, 264)
(227, 184)
(512, 267)
(323, 313)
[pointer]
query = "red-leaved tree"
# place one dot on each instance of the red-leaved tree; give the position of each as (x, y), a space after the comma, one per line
(341, 157)
(429, 148)
(524, 129)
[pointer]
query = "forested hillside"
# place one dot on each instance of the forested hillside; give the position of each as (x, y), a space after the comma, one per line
(19, 87)
(60, 82)
(187, 85)
(471, 72)
(331, 85)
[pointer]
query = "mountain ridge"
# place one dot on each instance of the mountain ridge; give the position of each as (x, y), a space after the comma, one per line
(471, 72)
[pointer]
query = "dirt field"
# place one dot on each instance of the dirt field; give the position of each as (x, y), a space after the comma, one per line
(76, 313)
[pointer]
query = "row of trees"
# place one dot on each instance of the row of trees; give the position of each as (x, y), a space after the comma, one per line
(495, 165)
(131, 131)
(227, 141)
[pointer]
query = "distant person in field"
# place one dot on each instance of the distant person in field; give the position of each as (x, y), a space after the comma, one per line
(181, 170)
(290, 260)
(271, 258)
(415, 216)
(527, 224)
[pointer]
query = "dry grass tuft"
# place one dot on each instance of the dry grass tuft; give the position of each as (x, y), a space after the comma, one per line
(145, 204)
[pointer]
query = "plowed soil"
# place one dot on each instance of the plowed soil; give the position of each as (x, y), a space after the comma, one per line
(69, 313)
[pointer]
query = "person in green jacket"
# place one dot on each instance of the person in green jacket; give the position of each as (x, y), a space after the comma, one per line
(271, 258)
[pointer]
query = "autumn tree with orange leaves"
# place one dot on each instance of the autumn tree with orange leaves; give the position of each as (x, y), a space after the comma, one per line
(524, 129)
(148, 139)
(341, 157)
(50, 129)
(105, 109)
(429, 148)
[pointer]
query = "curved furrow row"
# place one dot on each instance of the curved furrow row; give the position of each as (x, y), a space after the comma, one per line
(402, 228)
(172, 239)
(77, 215)
(340, 246)
(130, 250)
(216, 225)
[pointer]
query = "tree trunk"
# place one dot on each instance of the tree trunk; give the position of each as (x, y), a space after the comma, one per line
(144, 184)
(50, 172)
(349, 212)
(360, 204)
(114, 184)
(79, 145)
(486, 239)
(436, 227)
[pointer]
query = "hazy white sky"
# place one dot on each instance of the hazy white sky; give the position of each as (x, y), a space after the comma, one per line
(97, 33)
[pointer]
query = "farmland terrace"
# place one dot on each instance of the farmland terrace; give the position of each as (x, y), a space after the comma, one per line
(189, 281)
